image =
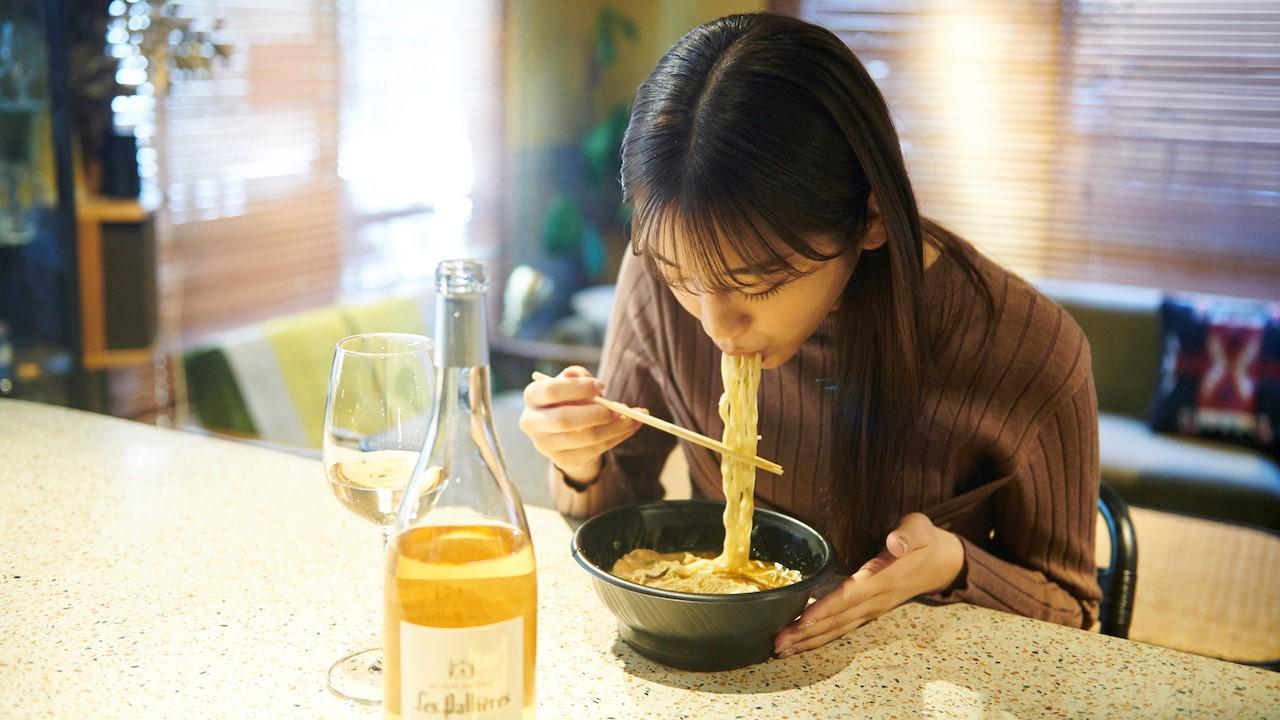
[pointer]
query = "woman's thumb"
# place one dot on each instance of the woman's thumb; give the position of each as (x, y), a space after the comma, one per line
(575, 371)
(898, 544)
(911, 533)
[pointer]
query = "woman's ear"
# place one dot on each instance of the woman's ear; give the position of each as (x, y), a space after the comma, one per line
(875, 235)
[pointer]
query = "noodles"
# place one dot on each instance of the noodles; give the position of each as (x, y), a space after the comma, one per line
(687, 572)
(733, 571)
(741, 376)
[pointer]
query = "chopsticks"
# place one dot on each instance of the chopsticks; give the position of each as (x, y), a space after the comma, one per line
(683, 433)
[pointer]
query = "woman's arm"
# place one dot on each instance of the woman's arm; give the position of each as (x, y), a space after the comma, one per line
(1038, 564)
(1040, 561)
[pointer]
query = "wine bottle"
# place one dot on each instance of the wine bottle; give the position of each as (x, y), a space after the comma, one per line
(461, 591)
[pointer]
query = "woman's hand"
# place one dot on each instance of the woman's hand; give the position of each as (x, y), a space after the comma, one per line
(567, 427)
(918, 558)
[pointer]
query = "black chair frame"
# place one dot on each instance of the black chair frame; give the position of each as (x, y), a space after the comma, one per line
(1119, 580)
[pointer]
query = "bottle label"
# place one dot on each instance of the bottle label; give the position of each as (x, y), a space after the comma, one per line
(473, 672)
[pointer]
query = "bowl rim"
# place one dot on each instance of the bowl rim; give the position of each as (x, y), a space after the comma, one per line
(599, 573)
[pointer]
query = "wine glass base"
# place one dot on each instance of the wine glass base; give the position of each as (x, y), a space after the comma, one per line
(357, 677)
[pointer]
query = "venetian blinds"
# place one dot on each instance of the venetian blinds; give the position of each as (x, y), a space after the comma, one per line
(250, 163)
(321, 157)
(1134, 142)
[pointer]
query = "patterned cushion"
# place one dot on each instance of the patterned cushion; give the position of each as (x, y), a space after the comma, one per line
(1220, 375)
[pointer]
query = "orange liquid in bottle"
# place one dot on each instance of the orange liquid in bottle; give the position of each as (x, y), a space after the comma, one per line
(459, 577)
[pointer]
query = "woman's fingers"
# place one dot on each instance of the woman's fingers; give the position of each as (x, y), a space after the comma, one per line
(604, 439)
(859, 609)
(565, 425)
(604, 436)
(819, 614)
(582, 457)
(628, 428)
(874, 565)
(881, 584)
(841, 625)
(850, 592)
(560, 390)
(823, 631)
(575, 371)
(870, 584)
(565, 418)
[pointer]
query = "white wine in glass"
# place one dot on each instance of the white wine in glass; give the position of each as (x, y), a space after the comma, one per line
(380, 403)
(371, 484)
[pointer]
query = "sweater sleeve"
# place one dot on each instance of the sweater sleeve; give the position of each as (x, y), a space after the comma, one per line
(629, 472)
(1037, 559)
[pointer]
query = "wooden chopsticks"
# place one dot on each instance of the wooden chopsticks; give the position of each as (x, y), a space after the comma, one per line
(683, 433)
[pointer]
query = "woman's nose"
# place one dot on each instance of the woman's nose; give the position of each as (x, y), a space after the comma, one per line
(722, 319)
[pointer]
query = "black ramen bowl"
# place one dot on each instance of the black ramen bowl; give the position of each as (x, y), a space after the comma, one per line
(690, 630)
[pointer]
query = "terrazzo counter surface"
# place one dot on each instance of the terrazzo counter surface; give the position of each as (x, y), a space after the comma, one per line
(150, 573)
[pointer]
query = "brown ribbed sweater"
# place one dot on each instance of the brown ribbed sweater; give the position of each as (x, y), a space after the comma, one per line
(1005, 451)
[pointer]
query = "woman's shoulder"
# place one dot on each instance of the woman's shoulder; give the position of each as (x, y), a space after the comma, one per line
(644, 301)
(637, 290)
(633, 273)
(1021, 346)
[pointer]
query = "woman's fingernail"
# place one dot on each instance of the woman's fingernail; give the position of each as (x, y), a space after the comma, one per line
(807, 623)
(785, 646)
(787, 653)
(599, 386)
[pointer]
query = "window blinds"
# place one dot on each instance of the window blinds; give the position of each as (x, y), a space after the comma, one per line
(342, 147)
(1134, 142)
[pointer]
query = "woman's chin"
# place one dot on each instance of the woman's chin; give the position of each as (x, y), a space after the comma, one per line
(771, 359)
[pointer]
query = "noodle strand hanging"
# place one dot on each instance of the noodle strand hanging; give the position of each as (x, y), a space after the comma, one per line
(733, 571)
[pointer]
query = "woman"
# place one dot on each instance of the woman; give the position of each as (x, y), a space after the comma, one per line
(935, 414)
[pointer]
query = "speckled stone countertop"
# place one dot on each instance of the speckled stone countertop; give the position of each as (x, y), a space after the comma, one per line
(150, 573)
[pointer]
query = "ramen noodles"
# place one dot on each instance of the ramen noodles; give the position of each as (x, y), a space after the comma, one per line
(700, 573)
(733, 571)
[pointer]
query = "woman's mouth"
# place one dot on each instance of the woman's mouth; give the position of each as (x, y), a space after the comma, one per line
(736, 352)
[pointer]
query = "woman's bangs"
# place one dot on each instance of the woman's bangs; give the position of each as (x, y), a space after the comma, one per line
(715, 248)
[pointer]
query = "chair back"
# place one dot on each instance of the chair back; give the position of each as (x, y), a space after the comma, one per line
(1119, 579)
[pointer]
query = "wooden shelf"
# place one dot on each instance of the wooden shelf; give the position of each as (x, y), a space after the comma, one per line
(110, 210)
(91, 213)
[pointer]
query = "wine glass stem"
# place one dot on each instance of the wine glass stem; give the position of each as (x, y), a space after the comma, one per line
(376, 665)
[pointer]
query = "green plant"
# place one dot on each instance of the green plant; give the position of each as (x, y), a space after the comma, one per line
(585, 220)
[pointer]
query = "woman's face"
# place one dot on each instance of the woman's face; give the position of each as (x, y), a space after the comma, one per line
(776, 312)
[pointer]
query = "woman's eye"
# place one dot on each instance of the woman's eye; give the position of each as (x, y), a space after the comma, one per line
(765, 294)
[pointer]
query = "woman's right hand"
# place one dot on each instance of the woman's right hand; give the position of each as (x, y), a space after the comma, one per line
(569, 429)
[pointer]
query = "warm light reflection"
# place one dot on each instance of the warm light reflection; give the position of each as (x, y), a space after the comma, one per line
(404, 140)
(988, 131)
(942, 699)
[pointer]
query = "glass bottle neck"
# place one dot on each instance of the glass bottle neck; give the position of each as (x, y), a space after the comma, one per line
(461, 337)
(462, 372)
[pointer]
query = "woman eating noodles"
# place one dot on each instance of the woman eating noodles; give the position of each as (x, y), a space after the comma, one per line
(935, 414)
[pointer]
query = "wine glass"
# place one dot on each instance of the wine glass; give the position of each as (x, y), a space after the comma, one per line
(375, 423)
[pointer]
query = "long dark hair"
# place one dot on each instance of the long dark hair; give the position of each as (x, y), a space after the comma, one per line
(756, 133)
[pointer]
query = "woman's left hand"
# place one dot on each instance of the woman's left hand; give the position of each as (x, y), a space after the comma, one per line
(918, 558)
